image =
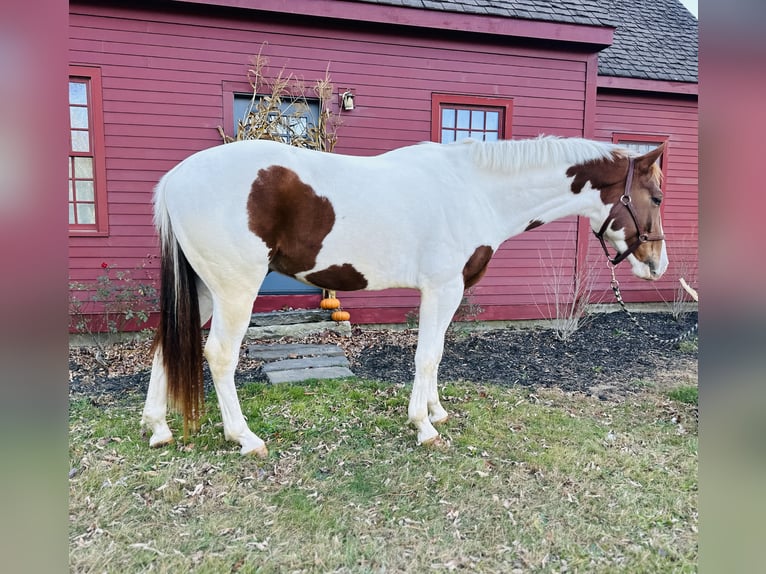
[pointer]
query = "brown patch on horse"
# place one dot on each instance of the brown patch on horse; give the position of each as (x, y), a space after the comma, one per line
(534, 223)
(338, 278)
(290, 218)
(601, 173)
(476, 266)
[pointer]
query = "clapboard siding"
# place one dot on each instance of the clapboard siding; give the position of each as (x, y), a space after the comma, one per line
(167, 77)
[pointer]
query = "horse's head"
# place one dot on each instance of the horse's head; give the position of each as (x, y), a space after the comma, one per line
(630, 219)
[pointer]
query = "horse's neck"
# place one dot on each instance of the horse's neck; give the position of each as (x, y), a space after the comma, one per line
(538, 195)
(524, 183)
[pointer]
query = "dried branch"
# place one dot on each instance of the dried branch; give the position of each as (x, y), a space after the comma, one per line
(692, 293)
(279, 110)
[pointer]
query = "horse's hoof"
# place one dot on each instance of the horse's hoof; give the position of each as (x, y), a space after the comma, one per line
(436, 443)
(440, 421)
(259, 451)
(158, 442)
(161, 436)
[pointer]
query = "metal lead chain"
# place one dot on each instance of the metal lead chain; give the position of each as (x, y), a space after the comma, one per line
(616, 288)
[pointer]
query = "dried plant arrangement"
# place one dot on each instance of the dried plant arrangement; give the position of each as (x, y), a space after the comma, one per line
(279, 109)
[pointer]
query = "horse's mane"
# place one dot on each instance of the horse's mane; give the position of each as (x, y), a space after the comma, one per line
(656, 172)
(512, 155)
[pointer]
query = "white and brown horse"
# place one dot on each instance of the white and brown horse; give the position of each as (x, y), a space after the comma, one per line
(427, 216)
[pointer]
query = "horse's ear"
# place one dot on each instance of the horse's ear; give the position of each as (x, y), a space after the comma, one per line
(646, 160)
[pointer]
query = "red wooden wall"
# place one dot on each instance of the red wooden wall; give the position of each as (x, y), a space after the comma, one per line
(168, 78)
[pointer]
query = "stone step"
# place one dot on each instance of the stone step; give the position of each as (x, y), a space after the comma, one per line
(293, 317)
(297, 375)
(298, 330)
(294, 362)
(291, 351)
(306, 363)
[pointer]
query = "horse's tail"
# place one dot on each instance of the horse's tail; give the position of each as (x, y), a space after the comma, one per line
(179, 334)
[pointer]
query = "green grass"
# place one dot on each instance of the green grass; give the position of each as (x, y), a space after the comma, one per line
(540, 482)
(690, 345)
(685, 394)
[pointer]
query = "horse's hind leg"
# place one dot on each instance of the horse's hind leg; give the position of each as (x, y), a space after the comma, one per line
(437, 306)
(154, 417)
(231, 317)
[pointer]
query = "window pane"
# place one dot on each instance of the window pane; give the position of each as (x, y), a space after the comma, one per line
(448, 118)
(83, 167)
(492, 121)
(84, 190)
(78, 117)
(638, 147)
(86, 213)
(299, 126)
(477, 120)
(463, 119)
(641, 148)
(78, 93)
(490, 136)
(80, 141)
(71, 214)
(461, 135)
(448, 136)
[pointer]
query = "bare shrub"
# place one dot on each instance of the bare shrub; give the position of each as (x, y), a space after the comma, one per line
(682, 267)
(569, 295)
(115, 302)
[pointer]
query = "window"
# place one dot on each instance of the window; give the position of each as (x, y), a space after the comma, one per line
(87, 185)
(641, 144)
(294, 119)
(454, 118)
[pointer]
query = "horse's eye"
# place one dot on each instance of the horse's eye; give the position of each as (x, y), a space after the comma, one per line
(657, 200)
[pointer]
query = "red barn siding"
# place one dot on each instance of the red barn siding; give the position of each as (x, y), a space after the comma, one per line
(167, 81)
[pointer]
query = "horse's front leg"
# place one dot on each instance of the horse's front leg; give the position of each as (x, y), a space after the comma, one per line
(437, 306)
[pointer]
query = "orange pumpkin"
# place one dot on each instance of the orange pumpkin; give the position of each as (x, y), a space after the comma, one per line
(341, 316)
(329, 303)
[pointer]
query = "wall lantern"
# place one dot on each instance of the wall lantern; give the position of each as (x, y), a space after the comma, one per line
(347, 100)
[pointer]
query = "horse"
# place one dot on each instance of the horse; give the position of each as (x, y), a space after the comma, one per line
(427, 216)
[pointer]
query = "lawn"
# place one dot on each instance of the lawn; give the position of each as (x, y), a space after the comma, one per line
(542, 481)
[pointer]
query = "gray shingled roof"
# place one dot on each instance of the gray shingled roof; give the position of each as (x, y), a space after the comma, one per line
(654, 39)
(592, 12)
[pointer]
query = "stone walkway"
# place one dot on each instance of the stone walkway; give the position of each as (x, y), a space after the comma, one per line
(290, 363)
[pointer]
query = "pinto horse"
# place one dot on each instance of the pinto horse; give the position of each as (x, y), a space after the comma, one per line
(427, 216)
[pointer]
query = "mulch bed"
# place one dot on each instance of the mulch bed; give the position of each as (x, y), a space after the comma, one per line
(607, 357)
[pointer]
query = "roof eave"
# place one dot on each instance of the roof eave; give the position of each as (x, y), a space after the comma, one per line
(597, 36)
(643, 85)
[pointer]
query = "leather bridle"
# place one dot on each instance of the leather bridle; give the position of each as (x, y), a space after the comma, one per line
(627, 202)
